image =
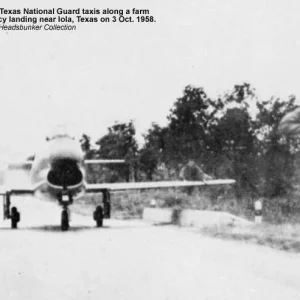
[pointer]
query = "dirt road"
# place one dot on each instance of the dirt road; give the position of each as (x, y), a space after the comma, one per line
(133, 260)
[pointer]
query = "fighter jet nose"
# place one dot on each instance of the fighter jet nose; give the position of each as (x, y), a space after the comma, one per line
(63, 147)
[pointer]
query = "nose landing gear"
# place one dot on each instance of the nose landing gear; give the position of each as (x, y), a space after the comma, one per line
(65, 219)
(65, 199)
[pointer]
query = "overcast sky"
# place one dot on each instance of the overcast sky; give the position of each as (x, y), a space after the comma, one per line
(105, 72)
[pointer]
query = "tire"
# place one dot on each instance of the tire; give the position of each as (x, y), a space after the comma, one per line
(64, 220)
(98, 216)
(15, 217)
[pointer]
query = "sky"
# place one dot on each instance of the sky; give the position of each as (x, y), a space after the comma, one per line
(107, 72)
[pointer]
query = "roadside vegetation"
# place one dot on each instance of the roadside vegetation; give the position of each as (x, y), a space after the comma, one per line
(234, 135)
(280, 228)
(130, 204)
(282, 237)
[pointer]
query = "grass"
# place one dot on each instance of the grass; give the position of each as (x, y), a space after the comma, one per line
(130, 204)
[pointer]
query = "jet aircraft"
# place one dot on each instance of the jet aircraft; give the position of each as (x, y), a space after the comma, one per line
(59, 171)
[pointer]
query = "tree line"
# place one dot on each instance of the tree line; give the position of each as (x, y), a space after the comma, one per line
(231, 136)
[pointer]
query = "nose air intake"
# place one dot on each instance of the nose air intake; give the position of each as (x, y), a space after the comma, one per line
(65, 172)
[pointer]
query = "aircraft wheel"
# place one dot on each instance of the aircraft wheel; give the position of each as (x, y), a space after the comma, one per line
(64, 220)
(15, 217)
(98, 216)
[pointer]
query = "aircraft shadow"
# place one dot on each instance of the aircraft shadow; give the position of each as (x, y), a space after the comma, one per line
(78, 228)
(55, 228)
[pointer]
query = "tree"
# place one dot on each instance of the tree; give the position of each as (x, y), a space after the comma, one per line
(155, 138)
(277, 151)
(235, 139)
(194, 131)
(188, 134)
(120, 143)
(153, 152)
(85, 142)
(232, 144)
(148, 161)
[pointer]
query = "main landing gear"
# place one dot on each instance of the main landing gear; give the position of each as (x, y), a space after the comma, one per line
(98, 216)
(102, 212)
(106, 204)
(15, 217)
(13, 214)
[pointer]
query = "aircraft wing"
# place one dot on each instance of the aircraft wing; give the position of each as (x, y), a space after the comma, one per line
(17, 191)
(20, 190)
(122, 186)
(104, 161)
(17, 187)
(20, 165)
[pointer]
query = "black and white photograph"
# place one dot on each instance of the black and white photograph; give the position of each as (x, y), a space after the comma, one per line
(150, 150)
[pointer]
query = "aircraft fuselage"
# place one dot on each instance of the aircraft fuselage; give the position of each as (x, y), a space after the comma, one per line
(59, 168)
